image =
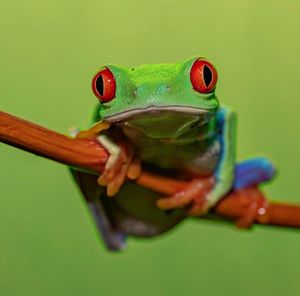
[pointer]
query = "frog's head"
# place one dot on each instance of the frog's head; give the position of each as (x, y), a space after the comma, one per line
(171, 97)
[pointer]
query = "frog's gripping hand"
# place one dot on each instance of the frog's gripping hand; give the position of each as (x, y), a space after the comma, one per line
(93, 131)
(225, 172)
(121, 162)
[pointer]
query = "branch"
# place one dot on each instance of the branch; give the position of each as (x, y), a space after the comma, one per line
(81, 153)
(90, 155)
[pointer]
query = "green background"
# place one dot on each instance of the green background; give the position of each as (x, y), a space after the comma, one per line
(50, 50)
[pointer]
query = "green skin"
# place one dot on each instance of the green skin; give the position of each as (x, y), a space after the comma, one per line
(172, 126)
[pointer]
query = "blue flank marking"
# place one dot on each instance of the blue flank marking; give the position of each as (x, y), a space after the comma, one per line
(220, 116)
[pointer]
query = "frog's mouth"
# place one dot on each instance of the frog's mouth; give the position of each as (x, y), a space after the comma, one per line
(161, 122)
(151, 110)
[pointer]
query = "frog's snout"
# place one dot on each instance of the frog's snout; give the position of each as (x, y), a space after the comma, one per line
(145, 90)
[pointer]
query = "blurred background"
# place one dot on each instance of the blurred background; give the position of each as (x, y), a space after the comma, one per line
(49, 52)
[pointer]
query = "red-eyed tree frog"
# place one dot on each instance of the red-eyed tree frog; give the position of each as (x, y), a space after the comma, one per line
(167, 118)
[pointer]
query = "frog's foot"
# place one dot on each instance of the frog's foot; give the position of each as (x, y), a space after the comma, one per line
(193, 198)
(121, 163)
(254, 206)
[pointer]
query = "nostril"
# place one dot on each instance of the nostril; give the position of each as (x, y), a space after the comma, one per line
(164, 88)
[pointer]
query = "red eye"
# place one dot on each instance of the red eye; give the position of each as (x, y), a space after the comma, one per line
(104, 85)
(203, 76)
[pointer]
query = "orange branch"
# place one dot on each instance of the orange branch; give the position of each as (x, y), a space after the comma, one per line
(25, 135)
(89, 155)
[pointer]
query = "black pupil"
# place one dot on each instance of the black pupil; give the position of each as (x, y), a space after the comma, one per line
(207, 75)
(99, 85)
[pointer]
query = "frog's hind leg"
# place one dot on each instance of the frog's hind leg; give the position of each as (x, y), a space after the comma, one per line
(248, 175)
(253, 172)
(113, 238)
(101, 210)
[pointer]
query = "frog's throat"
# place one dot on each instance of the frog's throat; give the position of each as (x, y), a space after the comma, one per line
(154, 110)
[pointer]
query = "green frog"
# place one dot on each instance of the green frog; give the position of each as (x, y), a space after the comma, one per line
(167, 119)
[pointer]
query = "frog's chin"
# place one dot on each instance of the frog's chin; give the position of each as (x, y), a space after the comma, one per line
(152, 110)
(162, 122)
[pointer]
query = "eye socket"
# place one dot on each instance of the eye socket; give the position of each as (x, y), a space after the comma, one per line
(104, 85)
(203, 76)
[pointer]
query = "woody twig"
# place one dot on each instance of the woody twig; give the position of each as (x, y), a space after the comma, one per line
(90, 156)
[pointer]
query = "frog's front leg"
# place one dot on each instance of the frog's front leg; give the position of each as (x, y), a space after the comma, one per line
(92, 132)
(201, 198)
(121, 162)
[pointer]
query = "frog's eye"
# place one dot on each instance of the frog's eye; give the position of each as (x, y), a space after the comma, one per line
(104, 85)
(203, 76)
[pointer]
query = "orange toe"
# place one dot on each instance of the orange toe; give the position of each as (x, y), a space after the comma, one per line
(135, 169)
(194, 196)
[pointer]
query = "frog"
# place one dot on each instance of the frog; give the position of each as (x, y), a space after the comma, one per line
(167, 119)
